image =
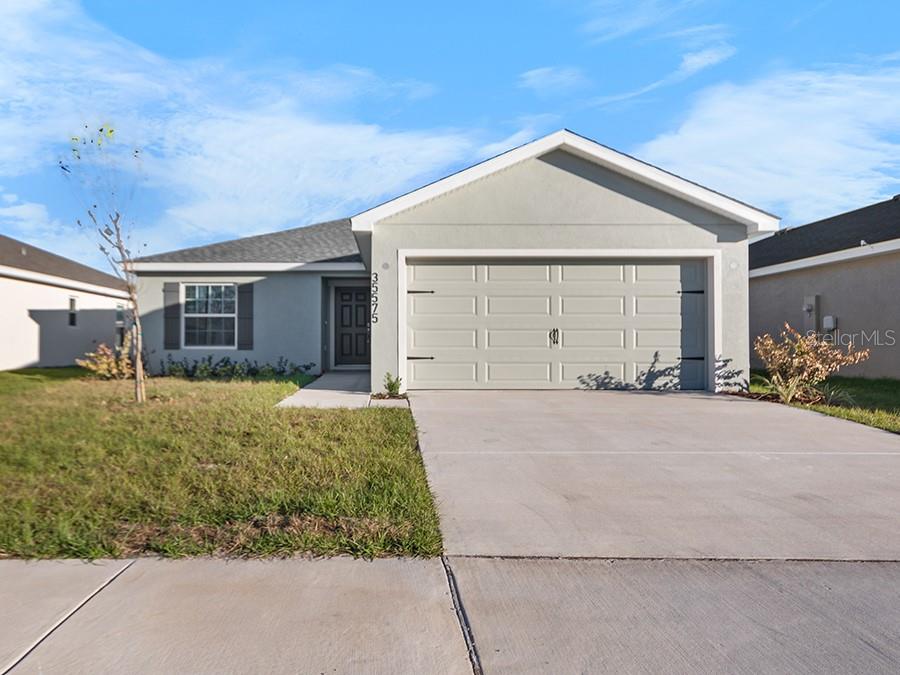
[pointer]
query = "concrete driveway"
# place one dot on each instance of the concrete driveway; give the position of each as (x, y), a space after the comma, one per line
(609, 532)
(652, 475)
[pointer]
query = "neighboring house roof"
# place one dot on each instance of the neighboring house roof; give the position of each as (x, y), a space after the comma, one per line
(329, 242)
(22, 256)
(756, 220)
(871, 224)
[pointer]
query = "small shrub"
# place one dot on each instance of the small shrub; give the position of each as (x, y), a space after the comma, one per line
(392, 384)
(798, 364)
(831, 394)
(110, 364)
(228, 369)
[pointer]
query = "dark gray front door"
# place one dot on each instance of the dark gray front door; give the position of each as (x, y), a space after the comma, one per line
(351, 325)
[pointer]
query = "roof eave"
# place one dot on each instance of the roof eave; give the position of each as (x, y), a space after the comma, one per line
(248, 267)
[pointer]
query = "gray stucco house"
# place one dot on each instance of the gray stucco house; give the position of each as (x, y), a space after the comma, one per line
(558, 264)
(840, 277)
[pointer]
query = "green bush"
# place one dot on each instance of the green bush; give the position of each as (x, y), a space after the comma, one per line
(228, 369)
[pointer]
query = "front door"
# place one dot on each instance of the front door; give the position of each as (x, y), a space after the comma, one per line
(351, 326)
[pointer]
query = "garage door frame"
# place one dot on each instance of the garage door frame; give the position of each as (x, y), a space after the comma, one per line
(713, 258)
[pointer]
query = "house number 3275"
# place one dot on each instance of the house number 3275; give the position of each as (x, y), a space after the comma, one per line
(374, 296)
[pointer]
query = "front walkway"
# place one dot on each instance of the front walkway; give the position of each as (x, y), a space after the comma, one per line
(334, 389)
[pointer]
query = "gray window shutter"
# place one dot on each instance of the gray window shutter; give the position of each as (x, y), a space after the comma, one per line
(245, 316)
(171, 315)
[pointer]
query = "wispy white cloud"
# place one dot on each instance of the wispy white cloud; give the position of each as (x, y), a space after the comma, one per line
(613, 19)
(698, 36)
(32, 222)
(808, 14)
(528, 128)
(806, 144)
(231, 152)
(691, 64)
(703, 45)
(551, 80)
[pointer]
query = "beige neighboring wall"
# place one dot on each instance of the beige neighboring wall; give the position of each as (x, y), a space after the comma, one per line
(35, 323)
(862, 294)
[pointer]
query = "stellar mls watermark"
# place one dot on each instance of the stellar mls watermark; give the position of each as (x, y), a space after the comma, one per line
(859, 339)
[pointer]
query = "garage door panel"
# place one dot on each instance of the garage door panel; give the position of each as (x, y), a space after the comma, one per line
(517, 273)
(425, 305)
(653, 338)
(657, 305)
(595, 305)
(693, 374)
(661, 372)
(620, 324)
(437, 338)
(693, 321)
(521, 305)
(593, 338)
(461, 374)
(521, 372)
(432, 273)
(506, 338)
(573, 374)
(592, 272)
(658, 272)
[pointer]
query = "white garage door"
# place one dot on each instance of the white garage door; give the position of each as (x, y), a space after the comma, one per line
(552, 325)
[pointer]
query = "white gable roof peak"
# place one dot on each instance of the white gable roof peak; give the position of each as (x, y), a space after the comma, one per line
(755, 219)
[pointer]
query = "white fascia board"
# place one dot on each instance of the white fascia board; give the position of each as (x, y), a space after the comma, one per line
(880, 248)
(60, 282)
(754, 219)
(248, 267)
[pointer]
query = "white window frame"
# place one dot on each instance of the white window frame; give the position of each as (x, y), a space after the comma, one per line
(184, 314)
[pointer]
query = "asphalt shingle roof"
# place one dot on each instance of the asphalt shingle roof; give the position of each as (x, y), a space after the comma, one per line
(872, 224)
(18, 254)
(323, 242)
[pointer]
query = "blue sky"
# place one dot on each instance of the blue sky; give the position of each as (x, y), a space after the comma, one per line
(259, 116)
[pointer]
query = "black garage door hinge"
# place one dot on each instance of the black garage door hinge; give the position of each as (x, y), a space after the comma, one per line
(420, 358)
(417, 292)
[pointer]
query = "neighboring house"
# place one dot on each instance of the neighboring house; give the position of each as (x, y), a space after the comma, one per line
(840, 277)
(53, 309)
(559, 264)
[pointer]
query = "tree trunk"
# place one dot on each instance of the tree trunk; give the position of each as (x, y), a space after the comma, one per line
(140, 394)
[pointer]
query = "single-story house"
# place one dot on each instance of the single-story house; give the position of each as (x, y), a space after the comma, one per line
(561, 263)
(54, 309)
(839, 277)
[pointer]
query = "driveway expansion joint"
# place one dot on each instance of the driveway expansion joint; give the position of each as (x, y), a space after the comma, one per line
(68, 615)
(462, 617)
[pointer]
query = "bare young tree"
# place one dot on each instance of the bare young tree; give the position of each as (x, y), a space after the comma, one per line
(105, 176)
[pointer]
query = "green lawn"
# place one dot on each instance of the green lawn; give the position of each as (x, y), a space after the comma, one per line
(203, 468)
(876, 403)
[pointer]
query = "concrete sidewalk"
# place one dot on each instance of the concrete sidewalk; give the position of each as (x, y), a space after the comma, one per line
(335, 389)
(682, 616)
(215, 616)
